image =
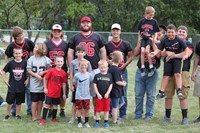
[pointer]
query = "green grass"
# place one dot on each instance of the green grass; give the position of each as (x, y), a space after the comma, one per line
(137, 126)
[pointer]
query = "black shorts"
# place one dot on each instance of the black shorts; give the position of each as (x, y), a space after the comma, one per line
(145, 42)
(18, 97)
(35, 97)
(172, 66)
(50, 101)
(73, 96)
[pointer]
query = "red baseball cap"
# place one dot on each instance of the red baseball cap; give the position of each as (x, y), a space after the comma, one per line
(86, 18)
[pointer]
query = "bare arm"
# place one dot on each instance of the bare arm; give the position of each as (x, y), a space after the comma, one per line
(4, 78)
(103, 53)
(196, 61)
(97, 92)
(71, 80)
(34, 75)
(136, 51)
(7, 59)
(108, 91)
(45, 81)
(64, 90)
(70, 56)
(121, 83)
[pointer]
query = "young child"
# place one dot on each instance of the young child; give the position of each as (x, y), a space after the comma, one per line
(102, 86)
(147, 35)
(74, 68)
(17, 82)
(54, 80)
(83, 81)
(171, 66)
(118, 84)
(37, 67)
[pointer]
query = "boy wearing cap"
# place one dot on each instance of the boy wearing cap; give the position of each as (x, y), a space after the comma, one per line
(148, 28)
(56, 46)
(118, 44)
(94, 45)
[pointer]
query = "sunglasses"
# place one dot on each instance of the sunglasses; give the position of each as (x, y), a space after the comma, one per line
(57, 31)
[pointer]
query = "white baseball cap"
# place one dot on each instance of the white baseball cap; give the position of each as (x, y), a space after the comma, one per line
(116, 26)
(56, 27)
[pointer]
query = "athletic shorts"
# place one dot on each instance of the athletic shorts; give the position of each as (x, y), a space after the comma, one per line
(18, 97)
(172, 66)
(102, 105)
(145, 42)
(82, 104)
(50, 101)
(92, 91)
(35, 97)
(171, 86)
(196, 91)
(115, 102)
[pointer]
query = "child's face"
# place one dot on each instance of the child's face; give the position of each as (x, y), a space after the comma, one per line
(35, 49)
(59, 62)
(103, 68)
(80, 54)
(116, 33)
(83, 66)
(171, 34)
(20, 37)
(182, 34)
(18, 54)
(161, 34)
(149, 15)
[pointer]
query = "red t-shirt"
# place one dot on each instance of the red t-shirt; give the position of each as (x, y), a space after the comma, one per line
(55, 80)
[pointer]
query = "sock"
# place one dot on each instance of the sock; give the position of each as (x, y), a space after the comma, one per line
(184, 113)
(143, 66)
(97, 121)
(44, 114)
(86, 119)
(79, 119)
(105, 121)
(54, 113)
(161, 91)
(62, 108)
(168, 113)
(150, 66)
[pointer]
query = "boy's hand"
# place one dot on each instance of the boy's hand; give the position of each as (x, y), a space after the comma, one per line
(185, 57)
(99, 96)
(45, 91)
(106, 96)
(152, 55)
(193, 76)
(72, 88)
(38, 77)
(26, 82)
(41, 73)
(124, 83)
(64, 96)
(6, 82)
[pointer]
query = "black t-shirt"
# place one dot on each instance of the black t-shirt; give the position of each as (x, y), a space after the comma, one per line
(93, 43)
(17, 76)
(147, 27)
(103, 82)
(117, 91)
(122, 46)
(27, 47)
(176, 45)
(197, 50)
(56, 50)
(186, 63)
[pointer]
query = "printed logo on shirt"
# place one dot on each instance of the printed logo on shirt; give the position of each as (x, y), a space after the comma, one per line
(18, 72)
(82, 80)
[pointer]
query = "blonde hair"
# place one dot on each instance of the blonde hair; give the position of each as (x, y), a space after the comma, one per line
(183, 28)
(17, 31)
(117, 56)
(149, 9)
(102, 62)
(83, 61)
(42, 49)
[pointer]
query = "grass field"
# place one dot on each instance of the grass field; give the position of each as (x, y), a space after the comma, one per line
(138, 126)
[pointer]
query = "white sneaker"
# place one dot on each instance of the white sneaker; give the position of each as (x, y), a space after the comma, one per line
(72, 120)
(87, 125)
(80, 125)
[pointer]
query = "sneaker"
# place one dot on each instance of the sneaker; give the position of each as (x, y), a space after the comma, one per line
(71, 121)
(18, 117)
(6, 117)
(142, 72)
(62, 114)
(179, 93)
(137, 117)
(166, 119)
(106, 125)
(42, 122)
(3, 104)
(50, 114)
(119, 122)
(80, 125)
(147, 118)
(151, 71)
(160, 95)
(96, 125)
(87, 124)
(184, 121)
(197, 120)
(54, 120)
(124, 117)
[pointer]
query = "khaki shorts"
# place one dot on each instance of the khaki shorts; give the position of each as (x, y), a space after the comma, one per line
(92, 91)
(171, 87)
(196, 91)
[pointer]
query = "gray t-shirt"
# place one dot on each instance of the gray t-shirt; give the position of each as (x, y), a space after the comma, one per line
(75, 66)
(83, 81)
(37, 65)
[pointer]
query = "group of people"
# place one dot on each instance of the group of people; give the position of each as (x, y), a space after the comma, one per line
(97, 69)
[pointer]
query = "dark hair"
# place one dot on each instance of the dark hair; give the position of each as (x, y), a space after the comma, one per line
(17, 49)
(171, 26)
(17, 31)
(163, 27)
(80, 48)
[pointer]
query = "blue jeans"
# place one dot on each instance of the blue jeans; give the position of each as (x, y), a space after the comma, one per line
(122, 111)
(145, 85)
(28, 102)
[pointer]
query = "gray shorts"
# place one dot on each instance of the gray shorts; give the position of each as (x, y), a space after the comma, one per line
(92, 91)
(196, 91)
